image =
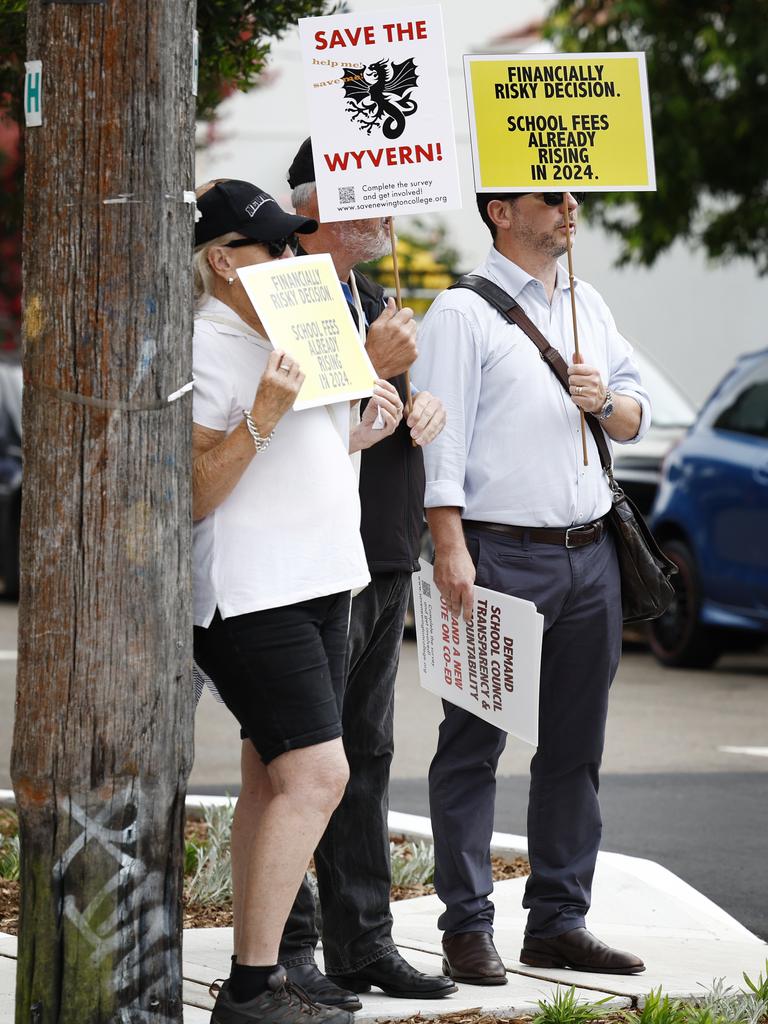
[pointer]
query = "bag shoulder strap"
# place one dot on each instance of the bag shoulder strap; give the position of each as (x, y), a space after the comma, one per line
(515, 314)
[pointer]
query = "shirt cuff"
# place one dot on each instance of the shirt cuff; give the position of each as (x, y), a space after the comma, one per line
(444, 493)
(645, 417)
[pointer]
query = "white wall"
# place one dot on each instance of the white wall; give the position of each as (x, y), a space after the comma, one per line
(692, 318)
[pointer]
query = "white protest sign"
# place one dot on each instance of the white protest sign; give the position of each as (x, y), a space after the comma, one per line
(489, 666)
(302, 307)
(380, 110)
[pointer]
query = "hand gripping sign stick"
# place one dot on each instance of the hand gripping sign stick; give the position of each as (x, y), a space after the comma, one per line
(570, 117)
(573, 314)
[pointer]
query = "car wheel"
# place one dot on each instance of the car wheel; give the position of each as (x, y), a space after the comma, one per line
(678, 638)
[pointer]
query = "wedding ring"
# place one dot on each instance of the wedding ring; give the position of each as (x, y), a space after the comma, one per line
(579, 389)
(285, 368)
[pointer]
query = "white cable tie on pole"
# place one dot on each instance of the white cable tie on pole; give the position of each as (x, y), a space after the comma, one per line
(180, 392)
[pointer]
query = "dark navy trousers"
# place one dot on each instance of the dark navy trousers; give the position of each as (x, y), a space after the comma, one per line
(579, 594)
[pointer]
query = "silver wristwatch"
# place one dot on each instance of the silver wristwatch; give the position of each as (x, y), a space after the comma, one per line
(607, 409)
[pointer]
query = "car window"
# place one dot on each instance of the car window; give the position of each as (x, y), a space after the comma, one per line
(748, 413)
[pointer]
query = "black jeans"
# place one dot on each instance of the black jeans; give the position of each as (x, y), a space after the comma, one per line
(352, 860)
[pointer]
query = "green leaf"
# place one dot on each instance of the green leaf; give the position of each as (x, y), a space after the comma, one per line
(709, 103)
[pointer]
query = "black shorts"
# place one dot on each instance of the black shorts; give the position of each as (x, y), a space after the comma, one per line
(280, 671)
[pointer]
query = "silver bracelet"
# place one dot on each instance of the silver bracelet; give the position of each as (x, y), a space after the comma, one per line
(260, 443)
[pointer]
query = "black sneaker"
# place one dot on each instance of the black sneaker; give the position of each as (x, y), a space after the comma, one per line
(281, 1003)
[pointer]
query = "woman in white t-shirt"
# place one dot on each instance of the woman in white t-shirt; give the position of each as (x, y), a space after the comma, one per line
(276, 552)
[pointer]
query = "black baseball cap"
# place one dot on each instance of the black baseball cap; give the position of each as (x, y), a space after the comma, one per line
(302, 170)
(240, 206)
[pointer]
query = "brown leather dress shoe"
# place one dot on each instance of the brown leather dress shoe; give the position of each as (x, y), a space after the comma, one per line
(581, 951)
(471, 957)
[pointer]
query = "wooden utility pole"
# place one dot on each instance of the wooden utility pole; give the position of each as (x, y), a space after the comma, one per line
(103, 739)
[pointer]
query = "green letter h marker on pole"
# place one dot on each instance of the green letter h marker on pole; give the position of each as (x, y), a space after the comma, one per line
(33, 114)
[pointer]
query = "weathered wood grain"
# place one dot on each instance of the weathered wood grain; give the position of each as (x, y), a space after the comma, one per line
(103, 740)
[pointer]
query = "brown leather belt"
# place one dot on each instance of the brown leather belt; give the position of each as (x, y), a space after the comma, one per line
(568, 537)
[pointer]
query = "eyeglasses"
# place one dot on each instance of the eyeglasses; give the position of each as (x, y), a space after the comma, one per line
(556, 198)
(275, 248)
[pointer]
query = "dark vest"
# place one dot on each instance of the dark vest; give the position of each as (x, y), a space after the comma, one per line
(391, 479)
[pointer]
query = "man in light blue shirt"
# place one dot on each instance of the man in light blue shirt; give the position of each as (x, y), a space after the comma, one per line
(512, 507)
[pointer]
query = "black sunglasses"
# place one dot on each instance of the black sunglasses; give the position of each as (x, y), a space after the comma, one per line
(275, 248)
(556, 198)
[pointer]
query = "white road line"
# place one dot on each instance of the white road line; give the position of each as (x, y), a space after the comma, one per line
(8, 655)
(754, 751)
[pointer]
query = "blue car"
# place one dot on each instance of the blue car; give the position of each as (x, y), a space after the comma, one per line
(711, 518)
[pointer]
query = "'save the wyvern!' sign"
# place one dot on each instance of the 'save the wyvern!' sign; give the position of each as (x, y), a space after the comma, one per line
(304, 312)
(380, 113)
(489, 666)
(560, 122)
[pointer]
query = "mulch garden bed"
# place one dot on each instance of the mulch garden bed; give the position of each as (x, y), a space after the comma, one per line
(199, 915)
(9, 907)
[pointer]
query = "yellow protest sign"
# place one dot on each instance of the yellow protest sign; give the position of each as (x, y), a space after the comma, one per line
(302, 307)
(560, 122)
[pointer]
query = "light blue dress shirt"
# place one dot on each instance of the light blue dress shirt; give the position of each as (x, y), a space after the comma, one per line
(511, 450)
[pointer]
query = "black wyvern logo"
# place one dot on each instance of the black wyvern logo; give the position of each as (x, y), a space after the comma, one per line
(380, 94)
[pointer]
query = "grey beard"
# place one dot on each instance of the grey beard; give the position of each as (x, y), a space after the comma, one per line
(364, 245)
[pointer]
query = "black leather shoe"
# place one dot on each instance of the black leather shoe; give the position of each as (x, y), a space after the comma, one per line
(395, 977)
(471, 957)
(321, 989)
(581, 951)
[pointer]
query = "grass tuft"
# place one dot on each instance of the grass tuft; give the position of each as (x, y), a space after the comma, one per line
(657, 1009)
(10, 858)
(759, 988)
(565, 1008)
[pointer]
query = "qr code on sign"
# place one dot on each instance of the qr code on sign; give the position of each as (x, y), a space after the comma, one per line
(426, 589)
(346, 195)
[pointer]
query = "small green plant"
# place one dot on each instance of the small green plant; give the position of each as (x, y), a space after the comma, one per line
(657, 1009)
(698, 1013)
(759, 988)
(413, 863)
(10, 858)
(565, 1008)
(723, 1005)
(210, 880)
(191, 847)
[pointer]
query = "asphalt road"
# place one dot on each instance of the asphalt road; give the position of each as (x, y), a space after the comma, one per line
(670, 791)
(709, 828)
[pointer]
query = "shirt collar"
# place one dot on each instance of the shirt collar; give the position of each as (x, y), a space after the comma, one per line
(513, 279)
(218, 308)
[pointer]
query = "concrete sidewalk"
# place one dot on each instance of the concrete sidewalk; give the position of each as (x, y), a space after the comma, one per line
(684, 938)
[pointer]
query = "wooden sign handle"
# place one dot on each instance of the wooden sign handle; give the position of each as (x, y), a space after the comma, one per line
(573, 315)
(399, 301)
